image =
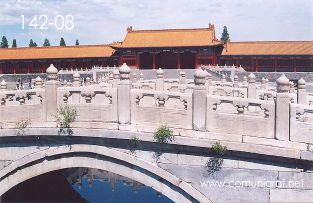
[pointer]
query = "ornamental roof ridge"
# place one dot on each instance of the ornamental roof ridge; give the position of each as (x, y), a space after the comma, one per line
(172, 30)
(269, 41)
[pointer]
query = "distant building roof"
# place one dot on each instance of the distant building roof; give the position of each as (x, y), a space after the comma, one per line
(169, 38)
(56, 52)
(269, 48)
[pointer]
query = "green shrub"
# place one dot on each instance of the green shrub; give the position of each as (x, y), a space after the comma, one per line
(163, 134)
(135, 141)
(218, 149)
(66, 115)
(22, 123)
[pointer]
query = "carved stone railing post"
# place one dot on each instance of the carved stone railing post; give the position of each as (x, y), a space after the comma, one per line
(244, 81)
(116, 77)
(88, 81)
(76, 79)
(282, 108)
(199, 100)
(51, 93)
(263, 83)
(266, 83)
(3, 86)
(123, 95)
(209, 79)
(292, 87)
(141, 76)
(159, 84)
(134, 77)
(111, 78)
(223, 78)
(251, 86)
(301, 92)
(182, 79)
(38, 82)
(236, 84)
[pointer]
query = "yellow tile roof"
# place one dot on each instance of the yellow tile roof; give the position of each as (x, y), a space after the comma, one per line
(269, 48)
(169, 38)
(56, 52)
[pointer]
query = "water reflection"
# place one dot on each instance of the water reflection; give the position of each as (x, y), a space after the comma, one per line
(102, 186)
(82, 185)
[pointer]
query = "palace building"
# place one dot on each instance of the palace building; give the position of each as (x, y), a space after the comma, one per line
(168, 49)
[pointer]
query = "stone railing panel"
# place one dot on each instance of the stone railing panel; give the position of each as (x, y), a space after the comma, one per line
(23, 104)
(175, 87)
(233, 115)
(154, 108)
(93, 104)
(228, 91)
(143, 86)
(301, 123)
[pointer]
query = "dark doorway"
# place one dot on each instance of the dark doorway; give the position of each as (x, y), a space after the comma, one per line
(167, 60)
(146, 61)
(187, 60)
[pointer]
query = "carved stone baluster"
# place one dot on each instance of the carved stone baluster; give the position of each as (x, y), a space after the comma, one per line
(282, 108)
(301, 94)
(199, 100)
(3, 86)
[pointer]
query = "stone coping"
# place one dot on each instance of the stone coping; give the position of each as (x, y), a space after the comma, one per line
(260, 148)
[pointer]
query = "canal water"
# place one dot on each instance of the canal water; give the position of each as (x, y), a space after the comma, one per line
(83, 185)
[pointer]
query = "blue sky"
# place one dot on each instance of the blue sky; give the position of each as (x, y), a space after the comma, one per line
(104, 21)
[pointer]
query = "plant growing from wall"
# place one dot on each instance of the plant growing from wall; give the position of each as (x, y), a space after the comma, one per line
(215, 163)
(65, 116)
(21, 124)
(163, 134)
(218, 149)
(135, 143)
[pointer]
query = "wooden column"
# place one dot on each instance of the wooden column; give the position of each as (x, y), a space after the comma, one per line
(275, 65)
(26, 66)
(137, 61)
(178, 60)
(237, 62)
(153, 61)
(120, 60)
(294, 65)
(14, 68)
(42, 65)
(256, 65)
(196, 60)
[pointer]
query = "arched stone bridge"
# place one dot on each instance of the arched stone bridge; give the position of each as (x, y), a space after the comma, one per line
(268, 157)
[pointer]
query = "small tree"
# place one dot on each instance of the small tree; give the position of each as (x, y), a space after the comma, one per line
(77, 43)
(163, 134)
(66, 115)
(31, 43)
(225, 35)
(4, 42)
(46, 43)
(14, 43)
(35, 44)
(62, 42)
(21, 124)
(218, 149)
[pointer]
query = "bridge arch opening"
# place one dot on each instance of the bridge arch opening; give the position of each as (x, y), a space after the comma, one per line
(101, 158)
